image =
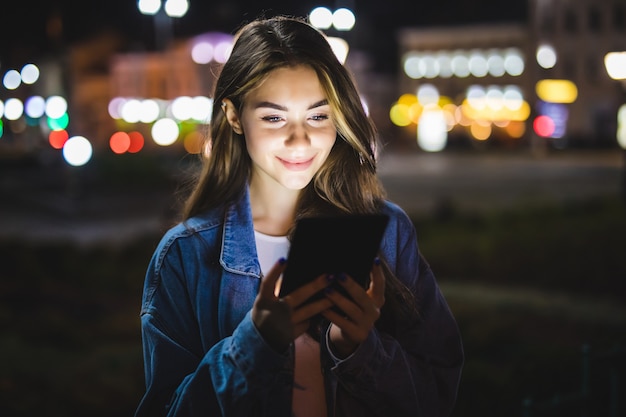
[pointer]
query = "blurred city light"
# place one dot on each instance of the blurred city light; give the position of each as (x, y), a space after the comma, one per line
(165, 132)
(463, 63)
(11, 80)
(35, 107)
(173, 8)
(615, 63)
(342, 19)
(546, 56)
(77, 151)
(56, 106)
(59, 123)
(556, 91)
(340, 47)
(136, 142)
(621, 126)
(202, 52)
(149, 7)
(321, 18)
(13, 109)
(432, 130)
(544, 126)
(212, 46)
(552, 119)
(176, 8)
(119, 142)
(57, 138)
(29, 74)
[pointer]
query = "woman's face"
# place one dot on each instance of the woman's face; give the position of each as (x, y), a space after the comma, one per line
(288, 128)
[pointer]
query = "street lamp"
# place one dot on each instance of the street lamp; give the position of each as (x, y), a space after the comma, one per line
(163, 17)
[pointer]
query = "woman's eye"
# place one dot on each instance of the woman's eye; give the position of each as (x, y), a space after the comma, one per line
(271, 119)
(319, 117)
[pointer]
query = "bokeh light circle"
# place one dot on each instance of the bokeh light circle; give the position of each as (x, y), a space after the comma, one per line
(165, 132)
(77, 151)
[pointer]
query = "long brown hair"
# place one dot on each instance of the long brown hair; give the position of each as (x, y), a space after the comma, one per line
(347, 182)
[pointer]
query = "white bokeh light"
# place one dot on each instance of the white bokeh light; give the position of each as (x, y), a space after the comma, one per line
(340, 48)
(77, 151)
(182, 108)
(56, 107)
(432, 130)
(131, 110)
(30, 74)
(513, 62)
(222, 51)
(35, 107)
(115, 107)
(201, 109)
(13, 109)
(148, 111)
(202, 52)
(321, 18)
(546, 56)
(12, 79)
(149, 7)
(165, 132)
(343, 19)
(176, 8)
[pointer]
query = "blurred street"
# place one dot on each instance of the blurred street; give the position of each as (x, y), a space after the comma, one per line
(36, 206)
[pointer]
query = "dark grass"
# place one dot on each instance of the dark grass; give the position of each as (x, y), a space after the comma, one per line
(71, 344)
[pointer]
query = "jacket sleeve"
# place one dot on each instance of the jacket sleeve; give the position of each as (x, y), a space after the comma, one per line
(235, 377)
(416, 373)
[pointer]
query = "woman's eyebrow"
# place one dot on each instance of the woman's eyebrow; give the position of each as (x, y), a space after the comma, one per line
(269, 104)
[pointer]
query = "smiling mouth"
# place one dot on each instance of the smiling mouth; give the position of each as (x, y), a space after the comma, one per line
(296, 165)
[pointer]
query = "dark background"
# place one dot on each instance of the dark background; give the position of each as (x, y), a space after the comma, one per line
(532, 268)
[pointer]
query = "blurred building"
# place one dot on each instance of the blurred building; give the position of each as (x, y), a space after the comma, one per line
(555, 60)
(531, 84)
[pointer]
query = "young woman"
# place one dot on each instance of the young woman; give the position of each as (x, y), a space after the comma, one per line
(289, 138)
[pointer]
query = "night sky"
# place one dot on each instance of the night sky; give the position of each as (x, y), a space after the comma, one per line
(30, 28)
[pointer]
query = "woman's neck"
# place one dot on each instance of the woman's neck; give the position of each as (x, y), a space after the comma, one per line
(273, 208)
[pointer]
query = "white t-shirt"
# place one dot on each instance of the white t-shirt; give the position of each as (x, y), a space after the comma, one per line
(309, 399)
(270, 249)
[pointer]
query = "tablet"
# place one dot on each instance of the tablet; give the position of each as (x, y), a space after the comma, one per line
(333, 245)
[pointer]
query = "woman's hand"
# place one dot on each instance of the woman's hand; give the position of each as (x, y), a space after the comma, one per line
(349, 331)
(281, 320)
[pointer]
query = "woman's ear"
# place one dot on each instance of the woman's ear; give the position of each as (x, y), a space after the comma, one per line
(232, 116)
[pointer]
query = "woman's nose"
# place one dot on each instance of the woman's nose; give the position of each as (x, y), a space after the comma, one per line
(298, 136)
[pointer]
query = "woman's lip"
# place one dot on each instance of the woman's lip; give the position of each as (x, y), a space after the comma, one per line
(296, 165)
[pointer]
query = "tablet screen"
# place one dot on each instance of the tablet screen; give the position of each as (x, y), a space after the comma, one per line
(343, 244)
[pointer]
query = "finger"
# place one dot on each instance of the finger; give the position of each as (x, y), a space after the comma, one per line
(302, 294)
(268, 283)
(356, 292)
(351, 310)
(309, 310)
(376, 288)
(342, 322)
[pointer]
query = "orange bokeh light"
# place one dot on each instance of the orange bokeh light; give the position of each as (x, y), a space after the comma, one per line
(119, 142)
(57, 138)
(136, 142)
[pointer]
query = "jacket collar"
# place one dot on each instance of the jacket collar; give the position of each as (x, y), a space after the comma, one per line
(238, 241)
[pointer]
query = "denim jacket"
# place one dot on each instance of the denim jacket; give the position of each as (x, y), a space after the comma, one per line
(203, 355)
